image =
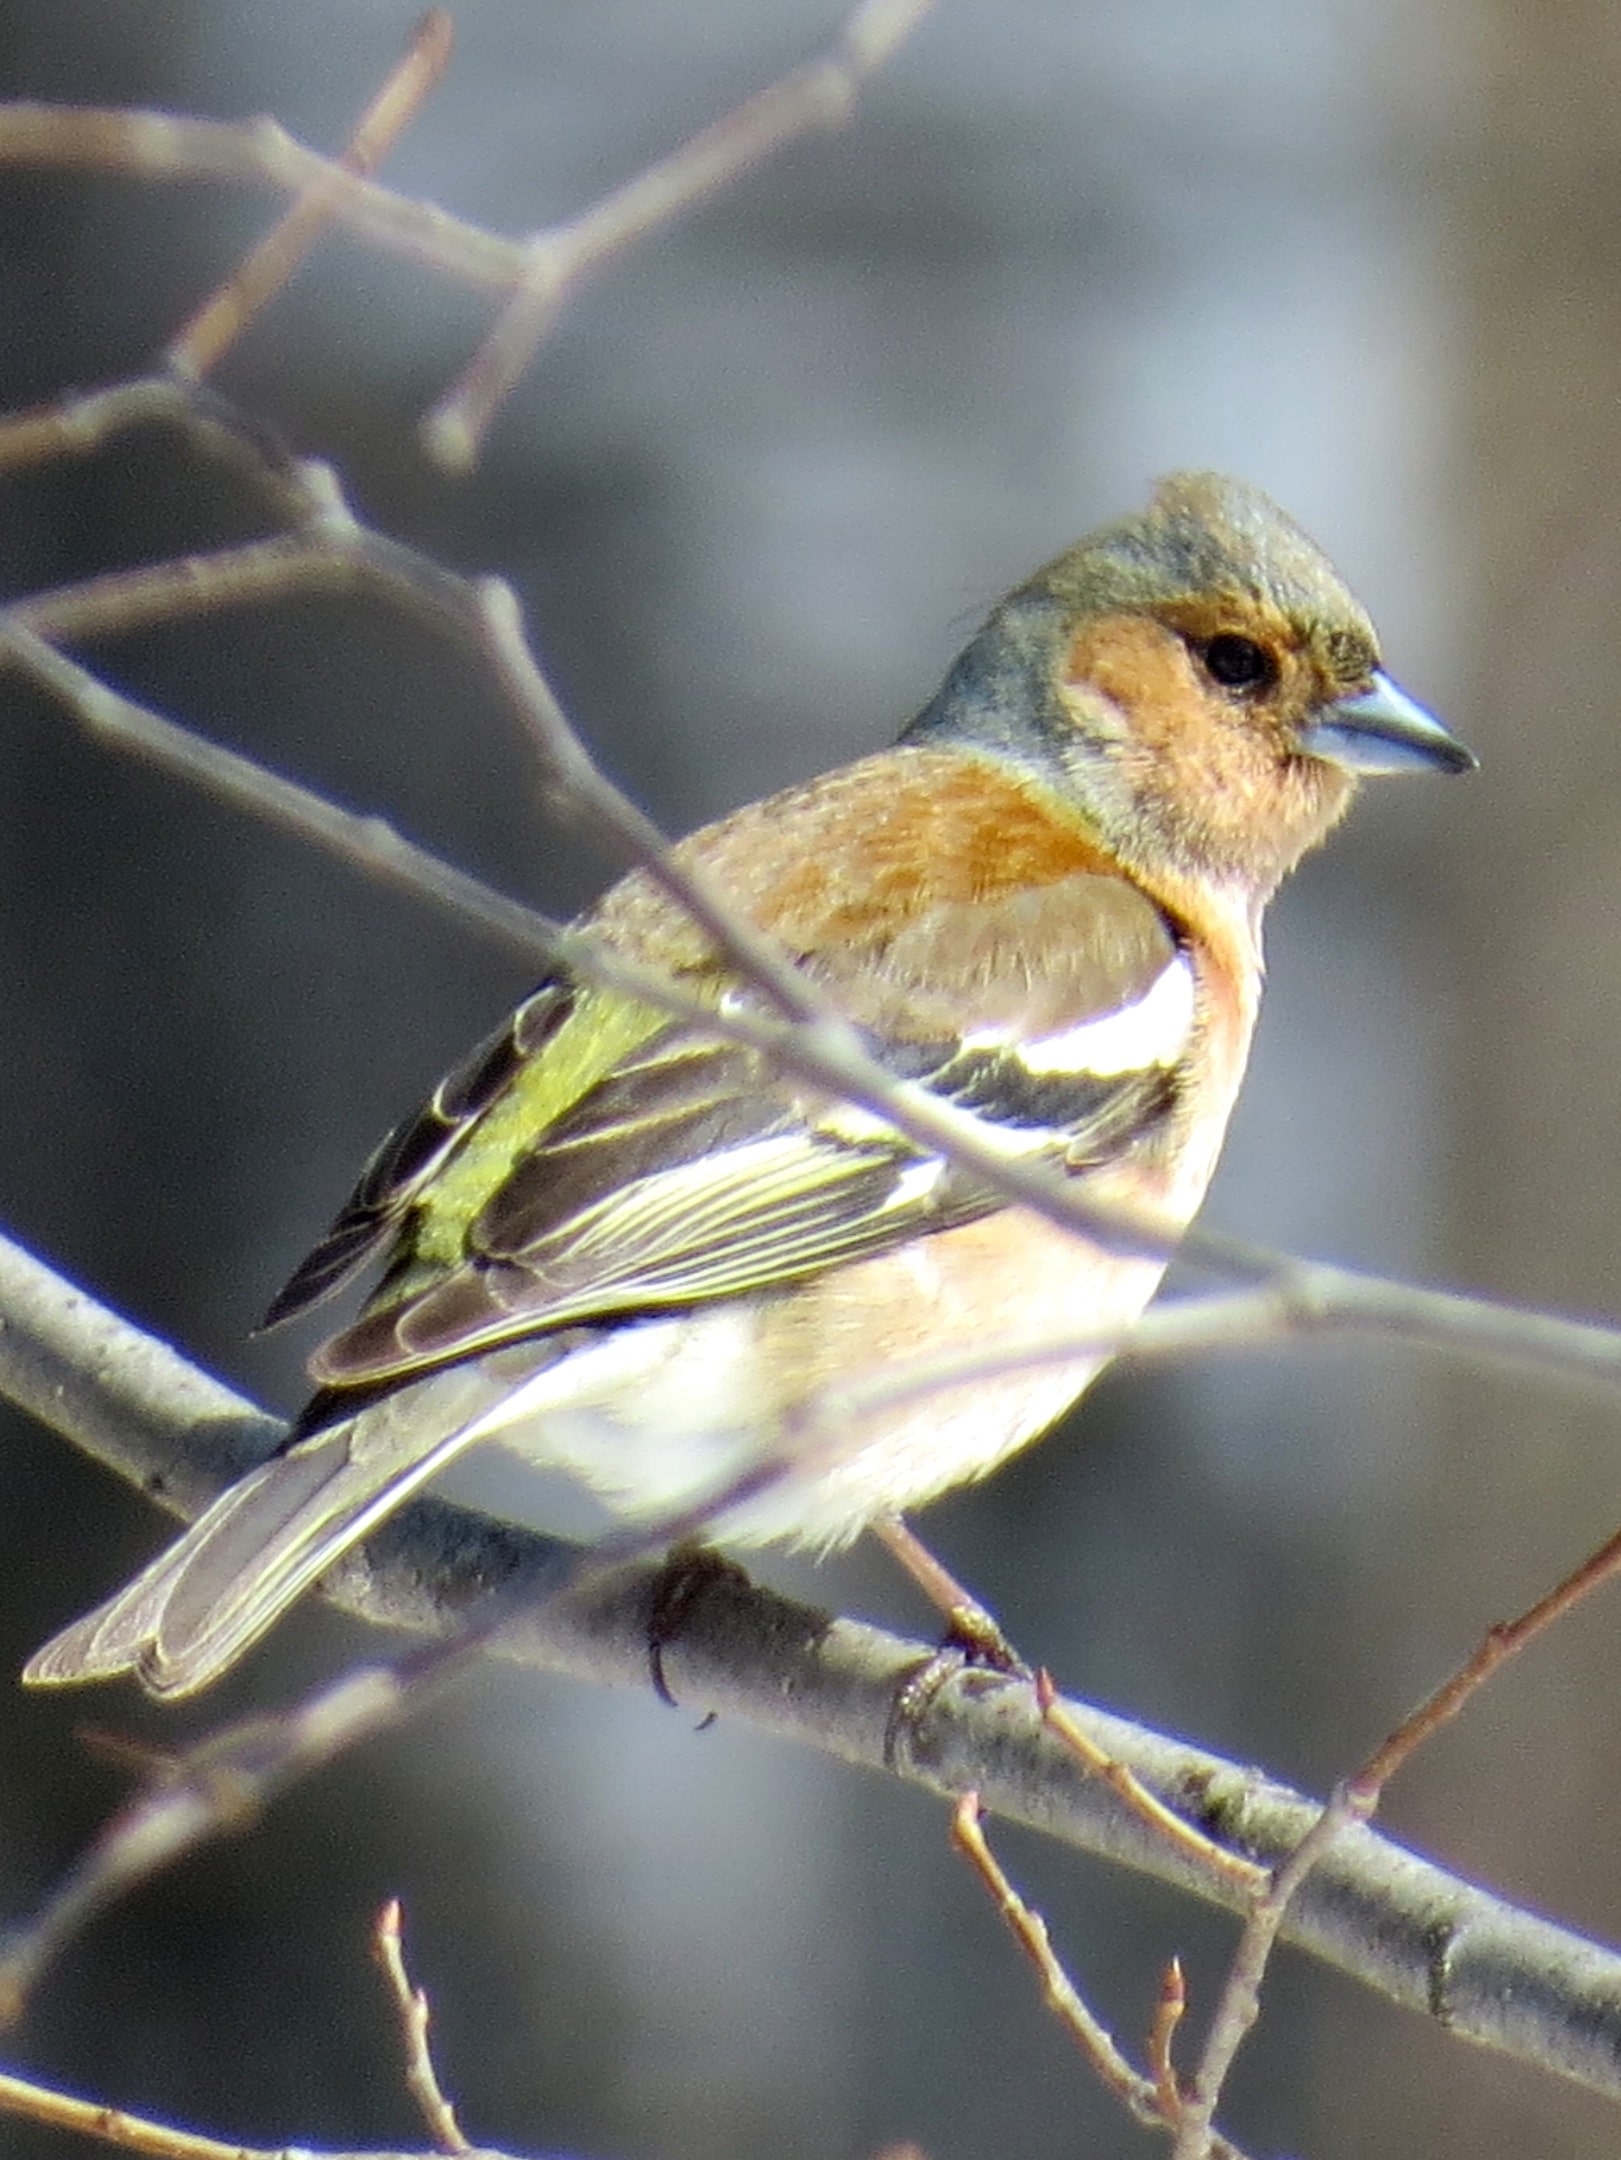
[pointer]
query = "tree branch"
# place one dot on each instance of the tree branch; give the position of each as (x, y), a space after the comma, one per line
(33, 2102)
(1411, 1931)
(541, 271)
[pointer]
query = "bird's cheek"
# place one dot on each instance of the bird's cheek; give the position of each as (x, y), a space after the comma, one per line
(1323, 793)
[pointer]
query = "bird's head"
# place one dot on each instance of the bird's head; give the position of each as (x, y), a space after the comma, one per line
(1199, 681)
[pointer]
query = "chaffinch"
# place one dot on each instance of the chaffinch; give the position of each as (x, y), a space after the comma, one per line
(629, 1249)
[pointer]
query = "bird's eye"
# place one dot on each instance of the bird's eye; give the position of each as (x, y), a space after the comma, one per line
(1238, 663)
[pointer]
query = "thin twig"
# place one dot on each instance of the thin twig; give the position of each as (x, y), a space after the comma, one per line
(821, 94)
(161, 2141)
(570, 770)
(1239, 2002)
(1144, 2096)
(1169, 2012)
(1356, 1800)
(77, 425)
(206, 1792)
(1505, 1640)
(1243, 1875)
(175, 146)
(115, 2126)
(215, 327)
(541, 271)
(411, 2008)
(367, 842)
(1063, 1998)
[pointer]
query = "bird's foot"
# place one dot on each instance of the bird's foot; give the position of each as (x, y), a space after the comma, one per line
(973, 1642)
(690, 1572)
(973, 1638)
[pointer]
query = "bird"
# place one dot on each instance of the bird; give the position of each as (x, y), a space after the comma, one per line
(634, 1249)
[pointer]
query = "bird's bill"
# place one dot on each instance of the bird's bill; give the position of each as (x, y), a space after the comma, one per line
(1383, 730)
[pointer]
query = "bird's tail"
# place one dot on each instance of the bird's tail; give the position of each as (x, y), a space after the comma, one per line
(209, 1597)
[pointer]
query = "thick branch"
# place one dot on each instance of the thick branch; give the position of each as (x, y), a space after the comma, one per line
(1415, 1933)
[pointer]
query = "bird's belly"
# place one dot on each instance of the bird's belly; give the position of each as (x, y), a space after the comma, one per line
(667, 1414)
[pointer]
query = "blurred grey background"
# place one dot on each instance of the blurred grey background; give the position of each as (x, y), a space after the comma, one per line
(754, 494)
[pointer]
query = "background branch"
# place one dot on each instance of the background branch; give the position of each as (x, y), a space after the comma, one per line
(543, 271)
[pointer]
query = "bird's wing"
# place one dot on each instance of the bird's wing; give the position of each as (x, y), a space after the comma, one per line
(1053, 1020)
(685, 1170)
(398, 1171)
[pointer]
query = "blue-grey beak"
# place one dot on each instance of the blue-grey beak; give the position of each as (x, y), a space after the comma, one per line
(1383, 730)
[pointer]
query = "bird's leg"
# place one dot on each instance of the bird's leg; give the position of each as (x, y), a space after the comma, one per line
(971, 1630)
(973, 1636)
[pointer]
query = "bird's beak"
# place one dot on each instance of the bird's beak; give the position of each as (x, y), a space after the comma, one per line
(1383, 730)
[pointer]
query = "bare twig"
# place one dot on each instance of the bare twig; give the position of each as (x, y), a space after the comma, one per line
(367, 842)
(161, 2141)
(1232, 1867)
(333, 553)
(1355, 1801)
(208, 1791)
(1150, 2099)
(174, 146)
(411, 2007)
(1501, 1642)
(573, 775)
(1168, 2015)
(541, 271)
(1239, 2002)
(114, 2126)
(34, 2102)
(265, 269)
(821, 94)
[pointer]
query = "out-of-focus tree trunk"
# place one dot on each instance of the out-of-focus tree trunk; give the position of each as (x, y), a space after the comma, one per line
(1524, 1789)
